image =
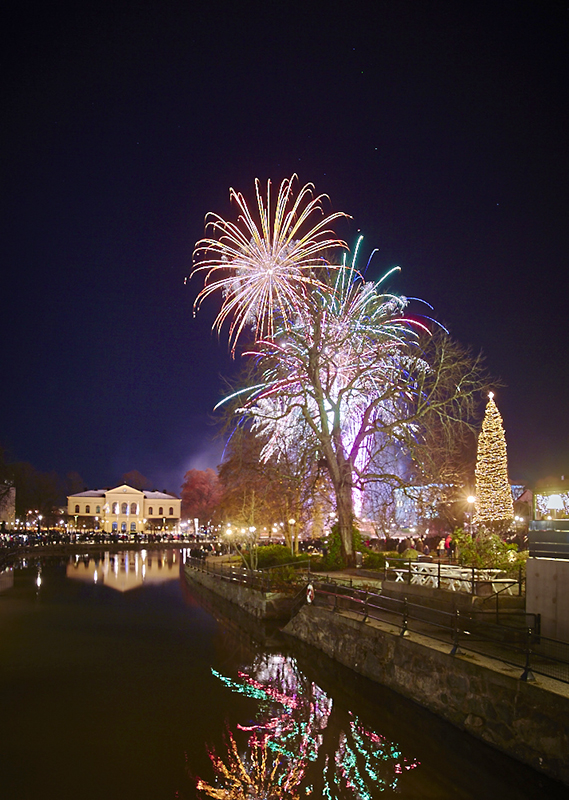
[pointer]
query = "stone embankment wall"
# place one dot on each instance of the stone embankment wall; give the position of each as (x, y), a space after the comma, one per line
(263, 605)
(527, 720)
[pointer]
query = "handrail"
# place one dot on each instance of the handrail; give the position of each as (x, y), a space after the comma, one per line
(523, 647)
(255, 579)
(280, 566)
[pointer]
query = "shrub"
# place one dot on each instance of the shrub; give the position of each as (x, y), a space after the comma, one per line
(272, 555)
(488, 550)
(374, 560)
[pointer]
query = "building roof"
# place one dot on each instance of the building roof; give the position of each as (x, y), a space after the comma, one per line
(90, 493)
(103, 492)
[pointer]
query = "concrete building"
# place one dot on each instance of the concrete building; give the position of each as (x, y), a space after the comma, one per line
(124, 510)
(547, 576)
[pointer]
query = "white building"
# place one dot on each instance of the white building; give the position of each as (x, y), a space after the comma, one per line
(124, 510)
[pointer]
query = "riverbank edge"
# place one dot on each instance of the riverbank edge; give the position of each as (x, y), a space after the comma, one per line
(525, 719)
(479, 695)
(263, 605)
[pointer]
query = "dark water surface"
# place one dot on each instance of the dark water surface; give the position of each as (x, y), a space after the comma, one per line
(119, 680)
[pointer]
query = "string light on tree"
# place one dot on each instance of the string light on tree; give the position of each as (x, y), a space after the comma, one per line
(494, 505)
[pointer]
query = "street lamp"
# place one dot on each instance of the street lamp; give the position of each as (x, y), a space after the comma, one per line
(470, 500)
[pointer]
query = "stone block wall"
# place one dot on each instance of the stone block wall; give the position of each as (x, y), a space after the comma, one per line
(524, 719)
(263, 605)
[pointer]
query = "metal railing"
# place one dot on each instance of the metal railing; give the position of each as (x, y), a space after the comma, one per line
(266, 579)
(521, 647)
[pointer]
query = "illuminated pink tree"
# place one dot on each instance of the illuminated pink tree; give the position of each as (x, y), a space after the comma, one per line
(341, 371)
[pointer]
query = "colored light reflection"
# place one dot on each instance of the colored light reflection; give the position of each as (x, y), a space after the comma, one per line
(288, 752)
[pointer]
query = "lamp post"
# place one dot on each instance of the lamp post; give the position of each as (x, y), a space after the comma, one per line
(470, 500)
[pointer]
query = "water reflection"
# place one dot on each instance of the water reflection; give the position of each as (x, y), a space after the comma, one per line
(118, 694)
(6, 579)
(299, 743)
(126, 570)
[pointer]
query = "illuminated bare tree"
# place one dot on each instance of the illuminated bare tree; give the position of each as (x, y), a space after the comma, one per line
(339, 366)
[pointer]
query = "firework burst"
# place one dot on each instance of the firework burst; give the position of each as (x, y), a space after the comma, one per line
(266, 270)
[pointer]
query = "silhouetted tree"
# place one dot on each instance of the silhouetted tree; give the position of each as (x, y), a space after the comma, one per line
(135, 479)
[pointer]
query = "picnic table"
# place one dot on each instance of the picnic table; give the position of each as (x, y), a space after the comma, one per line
(451, 576)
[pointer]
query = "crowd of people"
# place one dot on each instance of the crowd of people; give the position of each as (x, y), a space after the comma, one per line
(434, 546)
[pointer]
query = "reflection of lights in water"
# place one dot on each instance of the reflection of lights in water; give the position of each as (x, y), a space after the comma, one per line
(292, 718)
(260, 775)
(122, 570)
(38, 580)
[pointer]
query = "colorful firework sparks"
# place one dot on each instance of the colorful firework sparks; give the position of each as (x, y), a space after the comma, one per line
(266, 270)
(301, 745)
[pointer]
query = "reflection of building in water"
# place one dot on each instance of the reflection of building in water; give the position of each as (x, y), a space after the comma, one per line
(126, 570)
(124, 510)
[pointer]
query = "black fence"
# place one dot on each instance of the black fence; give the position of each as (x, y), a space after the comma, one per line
(519, 646)
(281, 577)
(549, 539)
(515, 641)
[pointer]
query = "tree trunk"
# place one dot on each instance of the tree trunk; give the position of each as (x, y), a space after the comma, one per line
(340, 471)
(344, 508)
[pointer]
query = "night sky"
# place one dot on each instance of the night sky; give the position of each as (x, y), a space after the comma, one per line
(440, 127)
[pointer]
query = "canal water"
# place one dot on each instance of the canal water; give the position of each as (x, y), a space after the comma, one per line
(121, 681)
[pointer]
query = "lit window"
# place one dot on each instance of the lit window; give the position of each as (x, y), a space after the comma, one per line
(133, 526)
(115, 508)
(97, 509)
(124, 508)
(133, 508)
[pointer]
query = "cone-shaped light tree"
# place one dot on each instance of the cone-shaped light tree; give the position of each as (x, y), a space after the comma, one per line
(494, 505)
